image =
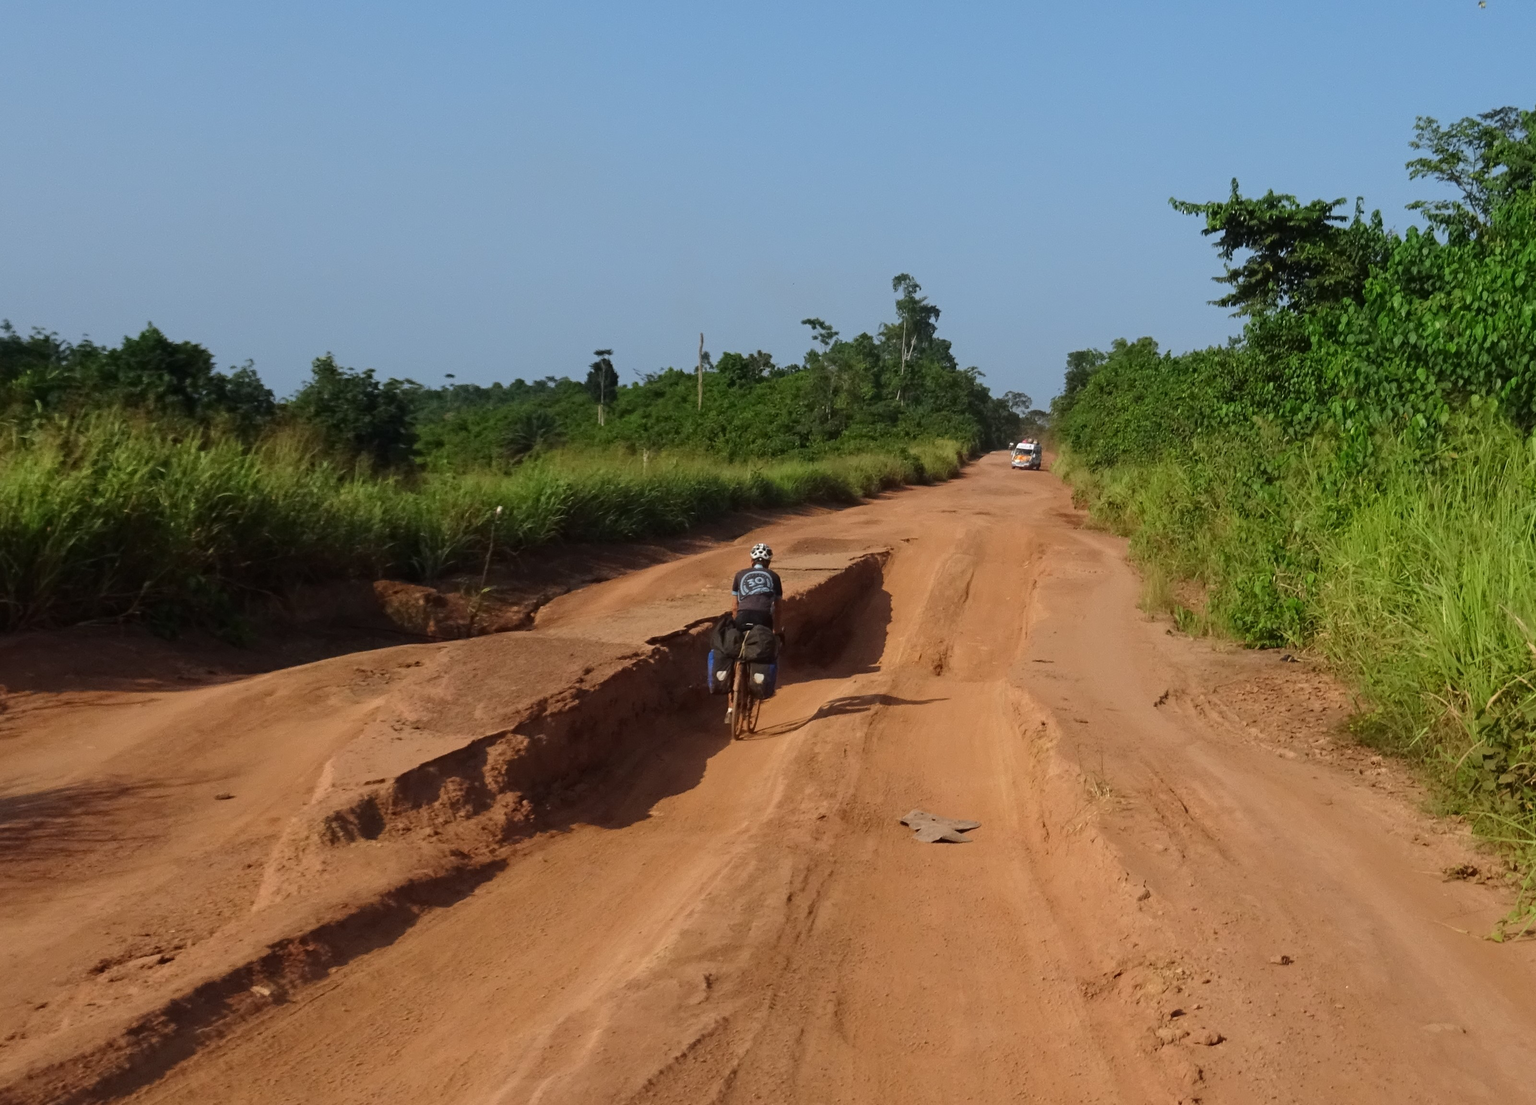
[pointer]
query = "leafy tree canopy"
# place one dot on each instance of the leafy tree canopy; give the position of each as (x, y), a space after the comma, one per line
(821, 333)
(1489, 158)
(1352, 332)
(743, 370)
(602, 380)
(1081, 365)
(149, 372)
(1299, 255)
(358, 413)
(1018, 402)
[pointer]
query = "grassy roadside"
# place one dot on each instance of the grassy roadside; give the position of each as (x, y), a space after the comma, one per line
(107, 517)
(1412, 571)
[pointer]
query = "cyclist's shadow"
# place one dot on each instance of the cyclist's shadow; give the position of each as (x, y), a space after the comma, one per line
(835, 707)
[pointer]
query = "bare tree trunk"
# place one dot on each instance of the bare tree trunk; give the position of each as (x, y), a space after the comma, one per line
(701, 372)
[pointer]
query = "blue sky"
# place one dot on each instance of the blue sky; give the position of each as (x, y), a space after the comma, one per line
(495, 190)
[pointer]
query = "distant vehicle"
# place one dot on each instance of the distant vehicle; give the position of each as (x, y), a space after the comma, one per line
(1027, 454)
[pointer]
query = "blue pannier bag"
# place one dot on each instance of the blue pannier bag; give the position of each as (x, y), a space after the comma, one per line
(718, 677)
(762, 679)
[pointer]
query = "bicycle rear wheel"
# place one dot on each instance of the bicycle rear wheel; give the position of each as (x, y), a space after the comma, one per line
(741, 702)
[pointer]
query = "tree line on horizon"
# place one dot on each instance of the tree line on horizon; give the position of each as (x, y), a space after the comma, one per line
(899, 384)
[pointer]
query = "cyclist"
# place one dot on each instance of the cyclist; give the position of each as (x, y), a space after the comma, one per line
(756, 591)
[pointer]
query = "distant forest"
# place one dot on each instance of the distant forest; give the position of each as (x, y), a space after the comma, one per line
(899, 384)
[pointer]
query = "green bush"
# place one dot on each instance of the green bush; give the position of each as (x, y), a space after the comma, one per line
(1414, 575)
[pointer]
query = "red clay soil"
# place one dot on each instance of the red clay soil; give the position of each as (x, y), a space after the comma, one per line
(532, 867)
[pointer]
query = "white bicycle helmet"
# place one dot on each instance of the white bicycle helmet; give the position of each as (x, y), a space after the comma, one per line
(761, 554)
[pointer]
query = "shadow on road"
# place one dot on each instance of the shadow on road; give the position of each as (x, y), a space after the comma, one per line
(65, 822)
(835, 707)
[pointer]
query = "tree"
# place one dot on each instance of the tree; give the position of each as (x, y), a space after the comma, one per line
(1019, 403)
(821, 333)
(34, 371)
(743, 370)
(531, 431)
(919, 324)
(152, 371)
(357, 413)
(1024, 420)
(1081, 365)
(1299, 256)
(1034, 423)
(920, 317)
(242, 396)
(1488, 158)
(602, 381)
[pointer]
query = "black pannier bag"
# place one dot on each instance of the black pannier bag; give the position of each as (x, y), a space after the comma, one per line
(760, 645)
(725, 638)
(724, 644)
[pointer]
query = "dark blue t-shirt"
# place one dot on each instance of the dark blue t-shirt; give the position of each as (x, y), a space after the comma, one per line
(757, 589)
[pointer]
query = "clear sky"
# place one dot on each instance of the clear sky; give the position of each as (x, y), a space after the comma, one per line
(497, 189)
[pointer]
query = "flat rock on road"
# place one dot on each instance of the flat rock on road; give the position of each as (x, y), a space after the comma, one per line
(1185, 885)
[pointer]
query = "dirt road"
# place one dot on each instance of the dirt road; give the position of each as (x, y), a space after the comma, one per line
(1187, 885)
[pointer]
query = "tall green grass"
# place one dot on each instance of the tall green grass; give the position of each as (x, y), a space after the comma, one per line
(1412, 570)
(107, 517)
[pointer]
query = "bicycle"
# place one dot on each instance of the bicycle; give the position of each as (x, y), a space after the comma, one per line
(741, 720)
(745, 720)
